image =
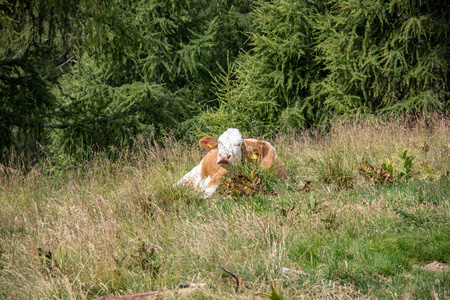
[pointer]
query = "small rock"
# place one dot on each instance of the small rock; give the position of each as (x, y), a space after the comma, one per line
(184, 285)
(187, 284)
(435, 266)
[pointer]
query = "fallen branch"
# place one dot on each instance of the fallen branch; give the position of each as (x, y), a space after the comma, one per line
(234, 276)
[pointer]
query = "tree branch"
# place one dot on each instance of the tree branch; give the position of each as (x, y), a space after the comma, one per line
(63, 55)
(31, 124)
(66, 62)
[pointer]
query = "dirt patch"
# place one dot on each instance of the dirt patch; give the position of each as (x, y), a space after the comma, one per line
(436, 266)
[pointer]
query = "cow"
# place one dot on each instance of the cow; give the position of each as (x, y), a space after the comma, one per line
(225, 152)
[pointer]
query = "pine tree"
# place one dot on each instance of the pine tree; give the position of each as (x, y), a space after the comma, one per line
(384, 56)
(35, 38)
(152, 76)
(272, 79)
(313, 61)
(127, 68)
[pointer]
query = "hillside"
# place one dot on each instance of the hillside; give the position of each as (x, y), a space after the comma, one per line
(357, 216)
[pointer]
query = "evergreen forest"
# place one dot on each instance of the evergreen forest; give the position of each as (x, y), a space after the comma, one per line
(82, 76)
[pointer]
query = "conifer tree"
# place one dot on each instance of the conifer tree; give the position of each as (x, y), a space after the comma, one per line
(272, 80)
(127, 68)
(35, 38)
(384, 56)
(312, 61)
(147, 72)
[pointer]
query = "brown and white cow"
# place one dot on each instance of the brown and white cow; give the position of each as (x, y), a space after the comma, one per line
(225, 152)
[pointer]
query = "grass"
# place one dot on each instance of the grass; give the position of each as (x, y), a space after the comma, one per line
(119, 227)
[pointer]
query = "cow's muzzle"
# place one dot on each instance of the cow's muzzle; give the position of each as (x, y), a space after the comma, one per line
(224, 159)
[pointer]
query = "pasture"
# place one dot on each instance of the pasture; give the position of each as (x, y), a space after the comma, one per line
(357, 216)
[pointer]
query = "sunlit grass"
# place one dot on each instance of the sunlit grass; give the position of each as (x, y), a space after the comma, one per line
(119, 227)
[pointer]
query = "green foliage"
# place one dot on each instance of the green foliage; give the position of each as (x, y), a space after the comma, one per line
(143, 258)
(265, 91)
(116, 117)
(389, 170)
(242, 185)
(378, 175)
(82, 76)
(383, 56)
(276, 293)
(428, 172)
(311, 62)
(403, 168)
(138, 67)
(147, 72)
(281, 66)
(38, 39)
(250, 180)
(229, 113)
(334, 169)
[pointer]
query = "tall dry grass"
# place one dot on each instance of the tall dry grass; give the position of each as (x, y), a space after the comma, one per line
(348, 143)
(118, 227)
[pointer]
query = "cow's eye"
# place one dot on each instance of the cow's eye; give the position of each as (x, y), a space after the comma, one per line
(238, 144)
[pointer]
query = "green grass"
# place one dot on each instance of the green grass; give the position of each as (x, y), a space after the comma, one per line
(119, 227)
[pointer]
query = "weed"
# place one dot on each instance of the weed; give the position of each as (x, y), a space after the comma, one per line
(389, 170)
(313, 204)
(331, 220)
(403, 168)
(47, 260)
(306, 186)
(145, 259)
(285, 212)
(428, 172)
(240, 184)
(250, 180)
(335, 169)
(276, 293)
(379, 175)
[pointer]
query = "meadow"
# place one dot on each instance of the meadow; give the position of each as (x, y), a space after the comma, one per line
(359, 216)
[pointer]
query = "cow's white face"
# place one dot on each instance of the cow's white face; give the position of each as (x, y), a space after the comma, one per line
(229, 148)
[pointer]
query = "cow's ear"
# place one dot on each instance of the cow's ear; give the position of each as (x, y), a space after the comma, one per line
(208, 143)
(252, 149)
(265, 148)
(257, 149)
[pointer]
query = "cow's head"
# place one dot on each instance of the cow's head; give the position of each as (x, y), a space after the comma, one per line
(228, 145)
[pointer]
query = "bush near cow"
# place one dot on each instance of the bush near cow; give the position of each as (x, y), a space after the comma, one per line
(250, 180)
